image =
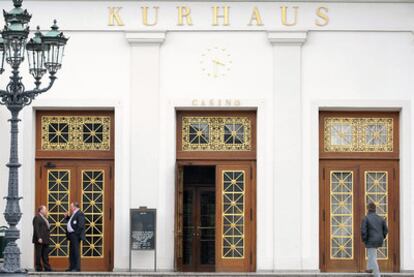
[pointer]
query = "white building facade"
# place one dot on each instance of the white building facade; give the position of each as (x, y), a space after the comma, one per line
(286, 63)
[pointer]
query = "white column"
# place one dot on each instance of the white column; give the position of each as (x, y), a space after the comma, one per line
(288, 149)
(145, 129)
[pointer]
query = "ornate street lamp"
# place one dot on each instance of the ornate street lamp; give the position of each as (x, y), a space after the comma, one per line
(44, 53)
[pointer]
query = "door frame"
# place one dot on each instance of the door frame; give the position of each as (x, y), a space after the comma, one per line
(178, 206)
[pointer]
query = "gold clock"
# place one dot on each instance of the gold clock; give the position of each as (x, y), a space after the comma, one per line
(215, 62)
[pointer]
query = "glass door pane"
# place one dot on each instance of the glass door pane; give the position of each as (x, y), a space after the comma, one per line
(207, 226)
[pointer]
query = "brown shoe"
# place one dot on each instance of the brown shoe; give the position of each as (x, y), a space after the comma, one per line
(369, 271)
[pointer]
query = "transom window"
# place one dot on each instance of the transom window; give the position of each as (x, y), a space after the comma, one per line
(76, 133)
(343, 134)
(216, 133)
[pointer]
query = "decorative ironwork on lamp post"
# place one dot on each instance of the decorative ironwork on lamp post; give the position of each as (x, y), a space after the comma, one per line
(44, 53)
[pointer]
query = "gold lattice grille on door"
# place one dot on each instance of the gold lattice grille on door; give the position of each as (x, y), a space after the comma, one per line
(93, 182)
(376, 191)
(76, 133)
(348, 134)
(58, 199)
(341, 212)
(233, 214)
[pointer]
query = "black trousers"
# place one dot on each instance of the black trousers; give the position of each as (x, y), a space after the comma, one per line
(42, 256)
(74, 252)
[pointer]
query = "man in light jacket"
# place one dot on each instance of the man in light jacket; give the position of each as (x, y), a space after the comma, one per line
(374, 230)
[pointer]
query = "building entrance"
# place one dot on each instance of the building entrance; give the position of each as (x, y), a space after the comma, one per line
(359, 164)
(216, 192)
(74, 163)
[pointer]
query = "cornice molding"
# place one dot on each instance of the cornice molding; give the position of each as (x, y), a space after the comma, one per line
(287, 37)
(145, 37)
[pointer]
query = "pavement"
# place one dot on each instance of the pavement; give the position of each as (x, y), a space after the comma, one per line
(174, 274)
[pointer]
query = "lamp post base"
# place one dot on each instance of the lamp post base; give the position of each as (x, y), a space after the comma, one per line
(11, 260)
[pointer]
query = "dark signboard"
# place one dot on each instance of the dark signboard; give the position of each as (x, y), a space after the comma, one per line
(143, 229)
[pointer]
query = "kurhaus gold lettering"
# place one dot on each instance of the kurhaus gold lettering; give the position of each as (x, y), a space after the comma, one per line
(114, 17)
(322, 13)
(184, 12)
(285, 20)
(289, 16)
(256, 17)
(145, 16)
(224, 16)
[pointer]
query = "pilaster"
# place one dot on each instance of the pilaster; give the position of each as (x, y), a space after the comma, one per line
(144, 129)
(287, 48)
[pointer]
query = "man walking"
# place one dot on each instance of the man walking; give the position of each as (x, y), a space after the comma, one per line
(41, 235)
(75, 234)
(373, 231)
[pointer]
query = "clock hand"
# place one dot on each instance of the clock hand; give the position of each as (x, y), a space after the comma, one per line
(218, 62)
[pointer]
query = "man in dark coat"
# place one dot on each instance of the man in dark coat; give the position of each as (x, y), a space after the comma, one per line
(41, 236)
(373, 231)
(75, 233)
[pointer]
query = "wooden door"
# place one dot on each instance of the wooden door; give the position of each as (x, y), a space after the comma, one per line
(379, 181)
(199, 229)
(234, 215)
(339, 216)
(346, 189)
(90, 184)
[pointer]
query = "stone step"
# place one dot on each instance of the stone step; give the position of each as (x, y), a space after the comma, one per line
(174, 274)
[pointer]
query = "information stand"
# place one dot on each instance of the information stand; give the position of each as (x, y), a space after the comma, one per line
(143, 232)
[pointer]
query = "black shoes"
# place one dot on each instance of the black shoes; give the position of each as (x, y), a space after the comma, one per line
(46, 270)
(72, 270)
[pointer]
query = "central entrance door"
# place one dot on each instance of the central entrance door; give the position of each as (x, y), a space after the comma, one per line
(215, 220)
(215, 227)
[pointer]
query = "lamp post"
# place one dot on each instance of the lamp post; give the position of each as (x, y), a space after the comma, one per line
(44, 54)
